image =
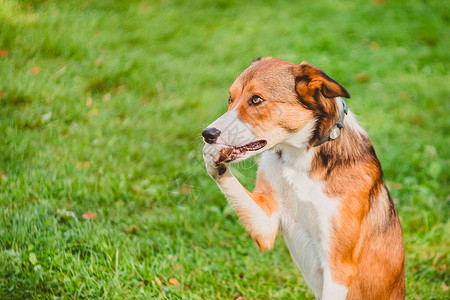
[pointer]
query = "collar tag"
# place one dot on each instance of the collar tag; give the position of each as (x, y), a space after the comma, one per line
(335, 132)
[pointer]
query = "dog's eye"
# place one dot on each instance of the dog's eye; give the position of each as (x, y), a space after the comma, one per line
(257, 100)
(229, 100)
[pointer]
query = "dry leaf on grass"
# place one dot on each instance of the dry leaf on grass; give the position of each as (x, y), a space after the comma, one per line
(118, 89)
(362, 77)
(89, 101)
(238, 296)
(144, 100)
(3, 52)
(185, 189)
(404, 95)
(374, 45)
(99, 61)
(80, 164)
(173, 281)
(140, 283)
(35, 70)
(158, 281)
(89, 215)
(133, 229)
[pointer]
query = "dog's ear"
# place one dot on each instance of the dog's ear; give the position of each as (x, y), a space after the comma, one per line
(311, 80)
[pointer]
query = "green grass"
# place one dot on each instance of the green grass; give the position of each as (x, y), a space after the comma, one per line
(111, 124)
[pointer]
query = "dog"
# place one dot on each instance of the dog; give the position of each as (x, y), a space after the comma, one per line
(319, 181)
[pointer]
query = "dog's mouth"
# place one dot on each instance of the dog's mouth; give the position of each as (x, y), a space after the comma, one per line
(253, 146)
(232, 153)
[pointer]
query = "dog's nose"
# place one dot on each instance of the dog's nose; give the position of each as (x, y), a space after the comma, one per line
(211, 134)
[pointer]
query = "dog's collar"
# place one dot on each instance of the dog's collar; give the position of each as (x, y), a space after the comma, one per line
(336, 130)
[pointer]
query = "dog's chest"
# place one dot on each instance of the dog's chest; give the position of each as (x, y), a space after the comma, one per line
(303, 201)
(306, 214)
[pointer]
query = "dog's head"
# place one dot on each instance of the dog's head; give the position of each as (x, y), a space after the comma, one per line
(271, 101)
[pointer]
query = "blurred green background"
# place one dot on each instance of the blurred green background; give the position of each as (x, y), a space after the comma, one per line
(103, 191)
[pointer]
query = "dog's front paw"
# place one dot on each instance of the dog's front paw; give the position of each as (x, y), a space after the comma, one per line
(216, 172)
(216, 157)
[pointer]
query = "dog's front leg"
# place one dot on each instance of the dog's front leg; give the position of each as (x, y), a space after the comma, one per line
(257, 210)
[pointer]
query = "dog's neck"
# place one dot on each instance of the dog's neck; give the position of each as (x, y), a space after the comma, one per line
(304, 137)
(295, 151)
(298, 152)
(335, 131)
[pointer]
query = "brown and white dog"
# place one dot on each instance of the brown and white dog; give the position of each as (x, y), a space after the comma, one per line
(319, 181)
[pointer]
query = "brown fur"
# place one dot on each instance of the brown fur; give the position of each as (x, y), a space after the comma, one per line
(263, 195)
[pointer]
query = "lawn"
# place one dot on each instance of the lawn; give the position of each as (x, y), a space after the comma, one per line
(103, 190)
